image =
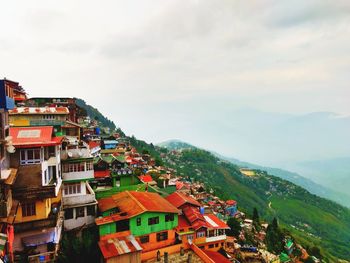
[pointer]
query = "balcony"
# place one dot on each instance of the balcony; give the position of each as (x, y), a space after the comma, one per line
(76, 200)
(78, 175)
(215, 238)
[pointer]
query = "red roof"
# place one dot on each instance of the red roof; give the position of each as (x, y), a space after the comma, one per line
(231, 202)
(216, 256)
(131, 203)
(102, 174)
(192, 214)
(183, 223)
(146, 178)
(94, 144)
(117, 246)
(180, 185)
(179, 199)
(214, 222)
(33, 136)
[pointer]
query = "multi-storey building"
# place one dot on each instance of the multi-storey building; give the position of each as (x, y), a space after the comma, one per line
(38, 222)
(79, 200)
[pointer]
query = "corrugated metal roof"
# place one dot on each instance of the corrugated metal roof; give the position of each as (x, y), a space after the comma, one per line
(216, 256)
(33, 136)
(131, 203)
(39, 110)
(117, 246)
(179, 199)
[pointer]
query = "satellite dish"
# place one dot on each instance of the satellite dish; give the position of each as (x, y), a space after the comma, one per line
(11, 149)
(70, 154)
(8, 138)
(80, 154)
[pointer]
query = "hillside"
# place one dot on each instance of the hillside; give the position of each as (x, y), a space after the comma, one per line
(95, 114)
(295, 178)
(313, 220)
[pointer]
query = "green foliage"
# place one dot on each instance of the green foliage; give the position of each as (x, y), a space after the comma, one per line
(79, 249)
(235, 227)
(274, 238)
(314, 218)
(94, 114)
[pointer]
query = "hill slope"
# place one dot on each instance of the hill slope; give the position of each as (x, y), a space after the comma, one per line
(314, 220)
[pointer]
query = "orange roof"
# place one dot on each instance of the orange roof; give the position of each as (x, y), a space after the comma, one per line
(114, 247)
(33, 136)
(214, 222)
(183, 223)
(179, 199)
(131, 203)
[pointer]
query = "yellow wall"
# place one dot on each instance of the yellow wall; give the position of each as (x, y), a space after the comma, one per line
(19, 121)
(42, 207)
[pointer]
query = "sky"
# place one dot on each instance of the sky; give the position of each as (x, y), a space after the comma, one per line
(163, 69)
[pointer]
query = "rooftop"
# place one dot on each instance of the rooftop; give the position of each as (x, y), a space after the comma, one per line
(132, 203)
(178, 199)
(39, 110)
(117, 246)
(33, 136)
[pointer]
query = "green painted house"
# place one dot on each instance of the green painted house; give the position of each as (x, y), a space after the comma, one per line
(147, 216)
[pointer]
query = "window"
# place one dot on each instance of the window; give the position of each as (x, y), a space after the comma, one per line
(144, 239)
(71, 189)
(76, 167)
(80, 212)
(68, 213)
(211, 246)
(91, 211)
(217, 245)
(89, 166)
(189, 237)
(138, 221)
(169, 217)
(162, 236)
(201, 234)
(28, 209)
(30, 156)
(49, 117)
(153, 220)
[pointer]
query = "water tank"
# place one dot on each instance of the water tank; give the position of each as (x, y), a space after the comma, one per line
(201, 210)
(97, 131)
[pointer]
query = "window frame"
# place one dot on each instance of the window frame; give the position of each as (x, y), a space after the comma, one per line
(162, 236)
(153, 220)
(28, 209)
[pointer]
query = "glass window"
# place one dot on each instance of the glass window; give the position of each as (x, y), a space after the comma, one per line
(80, 212)
(28, 209)
(144, 239)
(201, 234)
(91, 211)
(162, 236)
(68, 213)
(153, 220)
(169, 217)
(211, 246)
(138, 221)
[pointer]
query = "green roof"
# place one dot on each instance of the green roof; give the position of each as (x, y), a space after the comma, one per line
(284, 258)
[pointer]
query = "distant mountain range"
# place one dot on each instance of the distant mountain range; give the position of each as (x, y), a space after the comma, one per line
(317, 168)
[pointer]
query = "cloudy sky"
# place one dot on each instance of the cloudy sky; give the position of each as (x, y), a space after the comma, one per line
(157, 68)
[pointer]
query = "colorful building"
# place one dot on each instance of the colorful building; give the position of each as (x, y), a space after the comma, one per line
(205, 230)
(79, 202)
(37, 188)
(147, 216)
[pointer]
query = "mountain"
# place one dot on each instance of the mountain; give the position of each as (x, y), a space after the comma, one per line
(311, 186)
(311, 219)
(175, 145)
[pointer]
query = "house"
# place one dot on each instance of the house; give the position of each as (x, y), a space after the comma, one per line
(79, 202)
(231, 207)
(74, 110)
(37, 188)
(147, 216)
(205, 230)
(39, 116)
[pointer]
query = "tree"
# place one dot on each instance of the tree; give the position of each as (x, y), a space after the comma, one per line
(256, 219)
(315, 251)
(235, 227)
(274, 238)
